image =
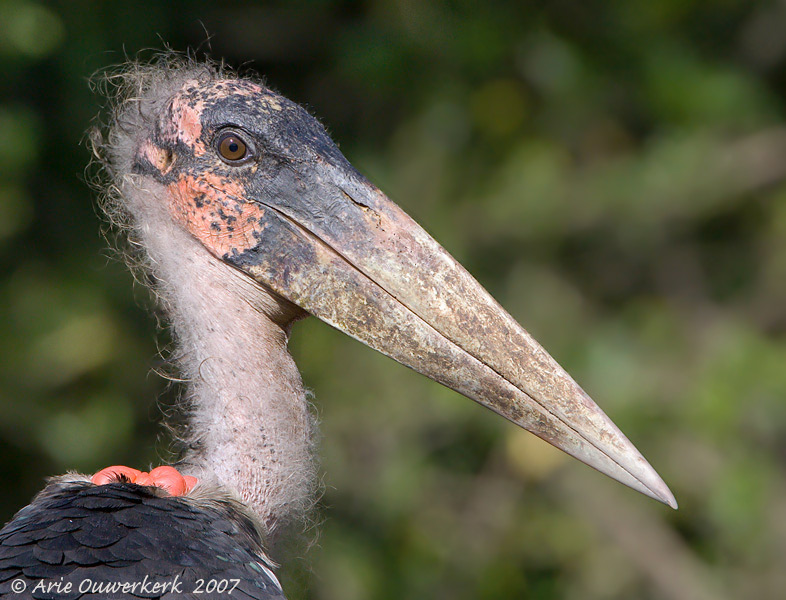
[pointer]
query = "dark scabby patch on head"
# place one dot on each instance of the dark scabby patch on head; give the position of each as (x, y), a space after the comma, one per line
(272, 237)
(200, 200)
(246, 258)
(229, 219)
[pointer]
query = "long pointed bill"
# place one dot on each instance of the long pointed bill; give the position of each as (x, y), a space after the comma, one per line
(333, 244)
(262, 186)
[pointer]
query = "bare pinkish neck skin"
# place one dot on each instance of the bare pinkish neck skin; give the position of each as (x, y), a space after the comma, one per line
(248, 426)
(166, 478)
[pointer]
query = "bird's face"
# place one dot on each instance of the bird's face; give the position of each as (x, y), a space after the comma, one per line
(257, 181)
(218, 147)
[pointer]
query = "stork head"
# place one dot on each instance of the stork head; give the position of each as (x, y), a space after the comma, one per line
(257, 181)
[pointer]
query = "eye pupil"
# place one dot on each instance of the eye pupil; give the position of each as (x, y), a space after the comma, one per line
(232, 148)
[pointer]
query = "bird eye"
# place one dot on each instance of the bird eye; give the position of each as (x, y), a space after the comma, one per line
(232, 148)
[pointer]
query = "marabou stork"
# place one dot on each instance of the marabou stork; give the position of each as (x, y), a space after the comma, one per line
(249, 218)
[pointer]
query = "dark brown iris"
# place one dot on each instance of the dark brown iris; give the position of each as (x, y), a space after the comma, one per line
(231, 147)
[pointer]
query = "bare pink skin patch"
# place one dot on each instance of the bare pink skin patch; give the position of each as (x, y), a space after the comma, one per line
(182, 123)
(213, 210)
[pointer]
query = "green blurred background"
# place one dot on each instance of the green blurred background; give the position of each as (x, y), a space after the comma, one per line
(613, 172)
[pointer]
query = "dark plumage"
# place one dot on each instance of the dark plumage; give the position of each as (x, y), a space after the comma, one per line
(98, 538)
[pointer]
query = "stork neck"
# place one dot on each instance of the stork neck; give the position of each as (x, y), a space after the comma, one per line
(249, 428)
